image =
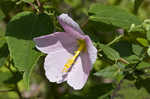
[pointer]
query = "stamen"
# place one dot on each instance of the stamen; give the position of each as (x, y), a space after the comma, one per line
(71, 61)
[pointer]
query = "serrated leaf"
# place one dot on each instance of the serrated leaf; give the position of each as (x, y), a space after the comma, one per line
(133, 59)
(143, 65)
(137, 49)
(110, 52)
(112, 72)
(20, 31)
(143, 42)
(112, 15)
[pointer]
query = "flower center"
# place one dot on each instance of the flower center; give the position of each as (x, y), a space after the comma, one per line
(71, 61)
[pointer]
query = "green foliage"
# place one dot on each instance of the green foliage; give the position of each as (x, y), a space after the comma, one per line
(137, 4)
(148, 35)
(3, 54)
(137, 49)
(109, 52)
(143, 65)
(148, 51)
(121, 70)
(5, 76)
(28, 1)
(2, 15)
(128, 90)
(112, 15)
(143, 42)
(133, 59)
(20, 32)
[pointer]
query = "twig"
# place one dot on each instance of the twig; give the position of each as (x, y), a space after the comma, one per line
(33, 8)
(38, 3)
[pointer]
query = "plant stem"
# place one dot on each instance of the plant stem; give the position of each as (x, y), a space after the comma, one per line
(115, 40)
(38, 3)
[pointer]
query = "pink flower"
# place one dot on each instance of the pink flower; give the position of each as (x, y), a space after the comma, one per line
(71, 54)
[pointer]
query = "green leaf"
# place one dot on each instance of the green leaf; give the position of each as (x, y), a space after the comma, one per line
(110, 52)
(137, 49)
(112, 15)
(20, 31)
(17, 76)
(143, 42)
(108, 72)
(131, 90)
(148, 51)
(2, 15)
(5, 76)
(148, 35)
(137, 4)
(73, 3)
(133, 59)
(143, 65)
(112, 72)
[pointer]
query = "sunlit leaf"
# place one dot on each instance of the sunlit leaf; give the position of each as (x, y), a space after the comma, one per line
(20, 32)
(112, 15)
(143, 42)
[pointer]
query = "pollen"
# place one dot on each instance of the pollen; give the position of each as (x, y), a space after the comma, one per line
(71, 61)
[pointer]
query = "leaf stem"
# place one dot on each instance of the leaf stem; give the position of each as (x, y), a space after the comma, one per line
(115, 40)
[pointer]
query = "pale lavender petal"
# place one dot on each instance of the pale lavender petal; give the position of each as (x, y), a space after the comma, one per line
(70, 26)
(54, 64)
(66, 20)
(92, 51)
(55, 42)
(79, 73)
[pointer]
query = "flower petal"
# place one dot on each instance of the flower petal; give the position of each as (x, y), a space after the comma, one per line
(54, 64)
(70, 26)
(56, 41)
(92, 51)
(66, 20)
(78, 75)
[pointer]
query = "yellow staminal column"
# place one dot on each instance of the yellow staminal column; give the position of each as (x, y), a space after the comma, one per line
(71, 61)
